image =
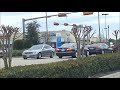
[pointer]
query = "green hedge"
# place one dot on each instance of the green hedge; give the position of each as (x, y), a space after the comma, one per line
(17, 53)
(83, 68)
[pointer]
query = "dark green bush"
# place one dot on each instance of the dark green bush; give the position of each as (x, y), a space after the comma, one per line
(21, 44)
(83, 68)
(17, 53)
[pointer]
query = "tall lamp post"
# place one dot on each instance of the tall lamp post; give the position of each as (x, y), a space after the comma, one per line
(105, 25)
(23, 24)
(99, 26)
(119, 25)
(46, 29)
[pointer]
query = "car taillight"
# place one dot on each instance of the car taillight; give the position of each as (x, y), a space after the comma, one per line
(97, 47)
(69, 49)
(57, 49)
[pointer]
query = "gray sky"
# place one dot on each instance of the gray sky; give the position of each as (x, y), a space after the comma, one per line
(15, 19)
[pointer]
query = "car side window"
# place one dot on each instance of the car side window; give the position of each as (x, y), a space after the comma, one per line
(47, 47)
(105, 46)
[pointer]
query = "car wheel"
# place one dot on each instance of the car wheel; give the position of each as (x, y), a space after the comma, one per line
(39, 56)
(90, 53)
(112, 51)
(75, 55)
(52, 54)
(25, 58)
(103, 52)
(60, 56)
(87, 53)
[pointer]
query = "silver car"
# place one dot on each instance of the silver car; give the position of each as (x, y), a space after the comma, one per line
(38, 51)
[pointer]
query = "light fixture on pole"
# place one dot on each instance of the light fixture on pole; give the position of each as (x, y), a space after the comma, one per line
(105, 25)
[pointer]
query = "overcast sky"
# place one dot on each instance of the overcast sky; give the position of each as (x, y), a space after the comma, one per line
(15, 19)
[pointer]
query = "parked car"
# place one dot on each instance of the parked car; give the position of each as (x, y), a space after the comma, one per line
(1, 53)
(99, 48)
(68, 49)
(38, 51)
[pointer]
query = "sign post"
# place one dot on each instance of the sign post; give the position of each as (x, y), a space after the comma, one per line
(58, 40)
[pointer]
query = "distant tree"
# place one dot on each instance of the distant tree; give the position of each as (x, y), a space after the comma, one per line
(21, 44)
(18, 44)
(111, 40)
(32, 33)
(115, 33)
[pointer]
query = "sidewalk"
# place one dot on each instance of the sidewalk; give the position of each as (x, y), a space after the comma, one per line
(114, 75)
(111, 74)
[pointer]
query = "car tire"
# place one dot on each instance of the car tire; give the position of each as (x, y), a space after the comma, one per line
(87, 53)
(60, 56)
(52, 54)
(25, 58)
(102, 52)
(39, 55)
(112, 51)
(75, 55)
(90, 53)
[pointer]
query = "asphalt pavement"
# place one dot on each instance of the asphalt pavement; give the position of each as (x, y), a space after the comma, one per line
(19, 61)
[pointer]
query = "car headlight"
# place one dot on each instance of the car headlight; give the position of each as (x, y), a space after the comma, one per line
(23, 53)
(34, 52)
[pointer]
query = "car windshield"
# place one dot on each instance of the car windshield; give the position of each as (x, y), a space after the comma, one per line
(67, 45)
(36, 47)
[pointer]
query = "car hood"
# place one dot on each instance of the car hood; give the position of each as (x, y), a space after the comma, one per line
(33, 50)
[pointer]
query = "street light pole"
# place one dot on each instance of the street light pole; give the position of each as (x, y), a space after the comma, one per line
(119, 25)
(46, 29)
(108, 36)
(105, 26)
(23, 22)
(99, 27)
(108, 32)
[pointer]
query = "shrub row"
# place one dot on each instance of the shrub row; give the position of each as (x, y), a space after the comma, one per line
(81, 68)
(17, 53)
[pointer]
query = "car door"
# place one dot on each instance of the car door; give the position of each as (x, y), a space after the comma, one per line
(44, 51)
(49, 51)
(105, 47)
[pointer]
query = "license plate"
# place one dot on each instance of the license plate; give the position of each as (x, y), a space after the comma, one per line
(27, 55)
(91, 48)
(63, 50)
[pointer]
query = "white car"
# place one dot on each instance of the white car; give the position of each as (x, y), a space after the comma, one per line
(38, 51)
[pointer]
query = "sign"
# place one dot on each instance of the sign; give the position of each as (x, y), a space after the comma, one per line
(58, 40)
(58, 34)
(87, 13)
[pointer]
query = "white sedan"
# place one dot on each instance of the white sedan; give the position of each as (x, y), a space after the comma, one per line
(38, 51)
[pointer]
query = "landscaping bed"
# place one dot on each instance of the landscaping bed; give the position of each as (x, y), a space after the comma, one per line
(81, 68)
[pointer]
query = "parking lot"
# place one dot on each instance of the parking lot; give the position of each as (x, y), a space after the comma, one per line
(19, 61)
